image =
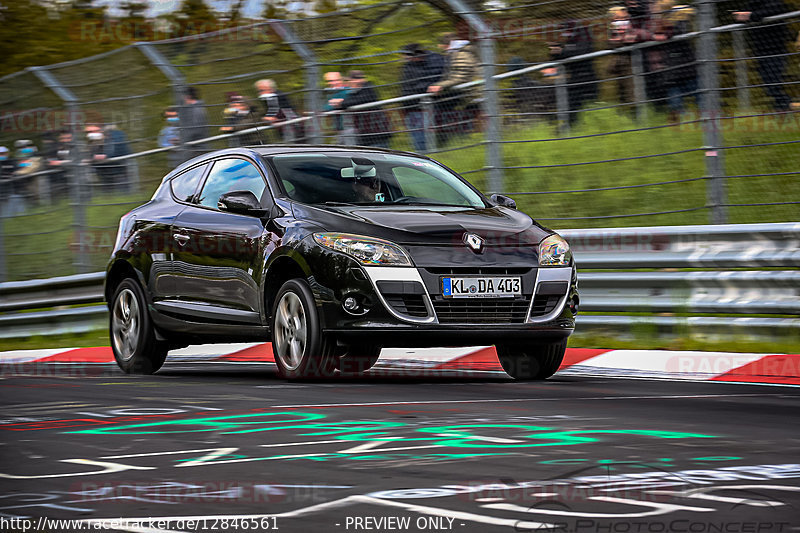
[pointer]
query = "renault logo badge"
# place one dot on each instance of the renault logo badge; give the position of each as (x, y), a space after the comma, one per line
(475, 242)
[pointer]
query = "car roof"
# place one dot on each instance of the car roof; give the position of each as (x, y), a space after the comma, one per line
(275, 149)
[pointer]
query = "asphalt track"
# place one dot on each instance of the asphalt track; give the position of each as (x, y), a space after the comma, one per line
(231, 447)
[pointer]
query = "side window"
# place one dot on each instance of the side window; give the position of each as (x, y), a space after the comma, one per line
(419, 184)
(184, 185)
(231, 175)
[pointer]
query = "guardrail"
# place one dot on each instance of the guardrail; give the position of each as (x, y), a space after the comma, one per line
(737, 270)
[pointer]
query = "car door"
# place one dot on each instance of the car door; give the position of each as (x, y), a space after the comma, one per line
(153, 244)
(217, 254)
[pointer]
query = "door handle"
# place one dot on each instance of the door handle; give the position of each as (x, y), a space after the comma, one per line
(181, 238)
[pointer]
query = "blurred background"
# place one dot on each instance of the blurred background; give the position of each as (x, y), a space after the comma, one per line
(596, 117)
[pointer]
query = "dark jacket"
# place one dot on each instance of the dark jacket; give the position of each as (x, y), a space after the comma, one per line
(278, 106)
(769, 39)
(193, 123)
(372, 126)
(578, 41)
(417, 75)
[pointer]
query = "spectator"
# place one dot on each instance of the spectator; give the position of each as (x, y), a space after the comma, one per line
(238, 116)
(679, 56)
(277, 108)
(581, 77)
(28, 163)
(459, 106)
(336, 91)
(170, 135)
(639, 12)
(59, 159)
(105, 144)
(371, 125)
(421, 68)
(193, 123)
(530, 96)
(9, 204)
(769, 44)
(622, 33)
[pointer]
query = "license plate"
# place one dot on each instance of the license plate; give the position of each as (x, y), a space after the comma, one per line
(481, 287)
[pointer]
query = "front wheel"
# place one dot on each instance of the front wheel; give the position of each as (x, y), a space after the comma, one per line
(532, 361)
(301, 349)
(133, 337)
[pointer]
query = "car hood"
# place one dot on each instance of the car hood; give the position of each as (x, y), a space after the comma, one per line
(498, 226)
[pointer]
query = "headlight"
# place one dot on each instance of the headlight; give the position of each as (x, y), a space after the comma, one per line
(366, 250)
(554, 251)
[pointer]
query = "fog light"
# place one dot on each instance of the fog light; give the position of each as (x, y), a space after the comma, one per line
(350, 304)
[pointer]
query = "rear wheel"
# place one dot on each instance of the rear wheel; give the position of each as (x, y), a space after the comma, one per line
(356, 359)
(301, 349)
(532, 361)
(133, 337)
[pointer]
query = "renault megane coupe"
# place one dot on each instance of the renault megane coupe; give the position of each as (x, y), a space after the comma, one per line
(333, 253)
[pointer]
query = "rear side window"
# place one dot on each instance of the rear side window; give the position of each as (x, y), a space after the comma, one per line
(229, 175)
(185, 185)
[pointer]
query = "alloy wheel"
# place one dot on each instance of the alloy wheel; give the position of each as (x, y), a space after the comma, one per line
(291, 332)
(125, 324)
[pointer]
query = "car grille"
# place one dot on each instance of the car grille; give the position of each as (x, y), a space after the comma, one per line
(408, 304)
(544, 304)
(480, 271)
(481, 310)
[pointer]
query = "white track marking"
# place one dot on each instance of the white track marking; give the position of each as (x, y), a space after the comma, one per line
(458, 515)
(656, 508)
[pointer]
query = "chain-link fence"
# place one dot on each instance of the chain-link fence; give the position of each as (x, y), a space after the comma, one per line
(588, 114)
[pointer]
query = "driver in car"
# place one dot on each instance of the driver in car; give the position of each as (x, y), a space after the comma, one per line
(367, 189)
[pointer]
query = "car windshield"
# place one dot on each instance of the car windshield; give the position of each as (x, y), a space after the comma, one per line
(371, 179)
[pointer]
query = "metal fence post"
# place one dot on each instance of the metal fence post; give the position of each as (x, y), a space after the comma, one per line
(428, 124)
(562, 101)
(491, 106)
(742, 81)
(639, 92)
(710, 108)
(313, 98)
(78, 176)
(177, 81)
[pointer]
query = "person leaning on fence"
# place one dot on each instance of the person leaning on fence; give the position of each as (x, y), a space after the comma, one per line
(105, 144)
(679, 59)
(621, 33)
(276, 109)
(581, 78)
(420, 69)
(238, 115)
(28, 163)
(460, 106)
(59, 160)
(769, 44)
(193, 121)
(170, 135)
(372, 126)
(9, 204)
(336, 90)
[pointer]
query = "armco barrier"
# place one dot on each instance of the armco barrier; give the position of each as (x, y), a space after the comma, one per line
(736, 270)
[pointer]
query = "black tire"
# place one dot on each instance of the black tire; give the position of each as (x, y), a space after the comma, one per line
(531, 361)
(352, 359)
(301, 350)
(133, 337)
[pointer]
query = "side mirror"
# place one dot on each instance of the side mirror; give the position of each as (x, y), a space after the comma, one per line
(505, 201)
(242, 203)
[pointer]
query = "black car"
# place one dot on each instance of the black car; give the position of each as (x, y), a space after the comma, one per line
(333, 253)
